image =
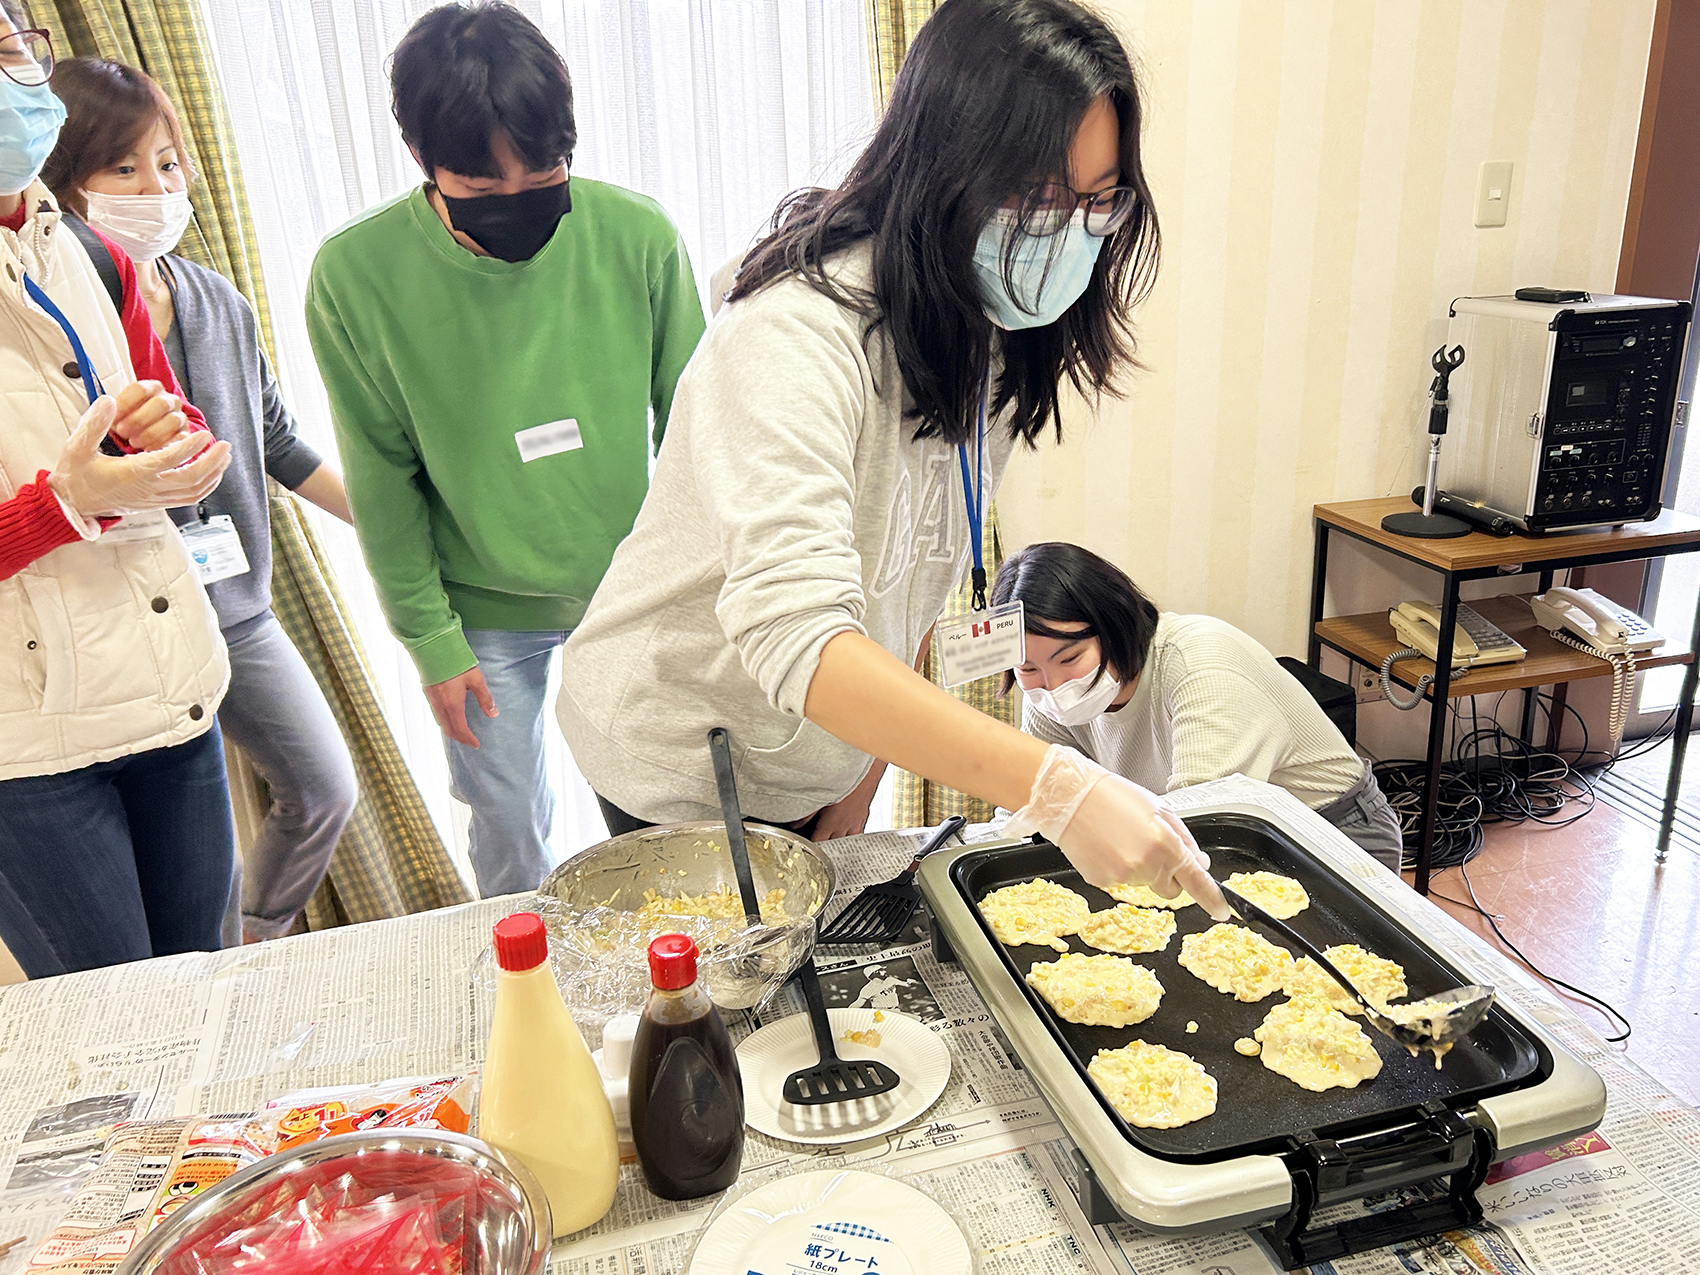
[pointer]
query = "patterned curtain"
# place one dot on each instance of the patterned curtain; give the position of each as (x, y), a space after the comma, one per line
(920, 803)
(891, 26)
(391, 860)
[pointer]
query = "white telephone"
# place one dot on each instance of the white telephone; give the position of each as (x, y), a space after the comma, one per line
(1593, 623)
(1474, 640)
(1605, 627)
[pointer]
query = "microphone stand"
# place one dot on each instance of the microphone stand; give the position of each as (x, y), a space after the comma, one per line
(1429, 525)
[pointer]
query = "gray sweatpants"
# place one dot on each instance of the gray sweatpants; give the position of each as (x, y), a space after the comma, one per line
(276, 714)
(1362, 813)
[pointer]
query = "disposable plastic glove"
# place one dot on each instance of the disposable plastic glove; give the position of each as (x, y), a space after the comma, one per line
(1114, 831)
(94, 484)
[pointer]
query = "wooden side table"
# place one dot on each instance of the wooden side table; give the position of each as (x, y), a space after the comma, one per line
(1369, 639)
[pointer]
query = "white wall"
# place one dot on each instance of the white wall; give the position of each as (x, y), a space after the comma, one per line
(1314, 167)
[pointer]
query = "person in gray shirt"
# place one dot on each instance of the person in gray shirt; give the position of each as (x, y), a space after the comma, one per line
(836, 436)
(120, 163)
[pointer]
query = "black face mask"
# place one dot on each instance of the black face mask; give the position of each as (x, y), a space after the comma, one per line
(512, 227)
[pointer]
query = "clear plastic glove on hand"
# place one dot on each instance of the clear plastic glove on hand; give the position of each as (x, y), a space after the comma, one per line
(1114, 831)
(92, 483)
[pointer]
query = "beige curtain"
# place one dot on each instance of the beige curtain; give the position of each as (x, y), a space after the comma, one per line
(891, 26)
(391, 860)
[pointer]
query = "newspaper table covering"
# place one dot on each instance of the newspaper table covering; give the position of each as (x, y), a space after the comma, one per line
(226, 1031)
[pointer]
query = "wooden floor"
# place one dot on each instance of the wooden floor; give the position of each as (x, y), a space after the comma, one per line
(1589, 904)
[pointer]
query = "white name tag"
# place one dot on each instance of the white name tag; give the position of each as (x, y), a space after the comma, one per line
(135, 528)
(548, 440)
(981, 643)
(216, 548)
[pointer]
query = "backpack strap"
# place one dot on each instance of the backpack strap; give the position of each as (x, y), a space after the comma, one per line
(100, 256)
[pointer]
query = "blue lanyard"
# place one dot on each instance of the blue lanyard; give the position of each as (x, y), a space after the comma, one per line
(91, 380)
(974, 497)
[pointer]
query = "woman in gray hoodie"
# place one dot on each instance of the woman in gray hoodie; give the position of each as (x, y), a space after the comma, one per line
(835, 439)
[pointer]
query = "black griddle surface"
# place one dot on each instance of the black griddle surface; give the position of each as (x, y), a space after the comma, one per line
(1258, 1111)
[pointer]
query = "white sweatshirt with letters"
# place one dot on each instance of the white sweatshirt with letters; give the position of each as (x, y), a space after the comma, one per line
(790, 503)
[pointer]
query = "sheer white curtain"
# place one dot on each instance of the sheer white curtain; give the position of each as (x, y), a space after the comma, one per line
(716, 108)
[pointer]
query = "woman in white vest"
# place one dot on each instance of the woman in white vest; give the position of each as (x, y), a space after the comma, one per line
(115, 834)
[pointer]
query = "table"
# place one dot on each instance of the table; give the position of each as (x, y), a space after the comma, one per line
(1369, 639)
(224, 1031)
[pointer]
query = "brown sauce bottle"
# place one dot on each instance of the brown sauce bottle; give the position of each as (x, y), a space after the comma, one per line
(687, 1097)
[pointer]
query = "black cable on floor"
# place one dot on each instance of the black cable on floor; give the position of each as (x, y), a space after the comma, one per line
(1536, 970)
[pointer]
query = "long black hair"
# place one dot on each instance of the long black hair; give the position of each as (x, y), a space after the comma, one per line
(1065, 584)
(985, 107)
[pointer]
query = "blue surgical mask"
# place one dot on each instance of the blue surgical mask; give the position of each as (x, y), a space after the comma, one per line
(30, 117)
(1047, 274)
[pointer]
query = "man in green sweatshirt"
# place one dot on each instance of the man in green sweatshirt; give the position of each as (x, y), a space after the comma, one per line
(494, 344)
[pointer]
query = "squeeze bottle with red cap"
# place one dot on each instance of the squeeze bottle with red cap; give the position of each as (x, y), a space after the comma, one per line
(686, 1094)
(542, 1097)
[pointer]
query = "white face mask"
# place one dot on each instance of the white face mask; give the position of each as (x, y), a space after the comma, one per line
(1072, 703)
(145, 226)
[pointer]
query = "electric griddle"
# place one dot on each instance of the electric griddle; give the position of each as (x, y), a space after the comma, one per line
(1273, 1153)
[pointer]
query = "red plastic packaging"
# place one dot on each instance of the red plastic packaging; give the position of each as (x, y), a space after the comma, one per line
(373, 1213)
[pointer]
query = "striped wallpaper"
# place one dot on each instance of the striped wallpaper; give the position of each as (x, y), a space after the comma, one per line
(1315, 166)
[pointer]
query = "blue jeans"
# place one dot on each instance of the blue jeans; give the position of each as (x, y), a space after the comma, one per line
(276, 714)
(503, 779)
(118, 861)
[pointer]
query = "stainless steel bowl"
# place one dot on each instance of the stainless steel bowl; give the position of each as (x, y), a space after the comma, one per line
(507, 1228)
(693, 859)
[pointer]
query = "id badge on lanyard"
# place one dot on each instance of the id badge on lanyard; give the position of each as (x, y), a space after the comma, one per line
(986, 640)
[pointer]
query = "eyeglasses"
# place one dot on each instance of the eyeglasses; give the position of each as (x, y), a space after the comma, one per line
(26, 57)
(1046, 209)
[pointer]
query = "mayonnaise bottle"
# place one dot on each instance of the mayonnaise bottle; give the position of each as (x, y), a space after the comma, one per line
(542, 1099)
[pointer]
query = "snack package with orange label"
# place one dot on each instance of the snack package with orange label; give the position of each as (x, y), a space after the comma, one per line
(149, 1169)
(310, 1114)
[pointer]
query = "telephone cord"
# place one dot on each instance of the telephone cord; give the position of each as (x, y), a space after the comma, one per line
(1423, 682)
(1622, 680)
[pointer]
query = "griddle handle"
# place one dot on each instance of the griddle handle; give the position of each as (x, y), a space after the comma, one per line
(1297, 1244)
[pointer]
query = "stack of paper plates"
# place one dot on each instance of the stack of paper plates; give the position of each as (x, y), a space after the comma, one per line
(833, 1222)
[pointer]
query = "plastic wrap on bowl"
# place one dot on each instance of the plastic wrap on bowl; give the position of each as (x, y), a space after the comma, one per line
(600, 958)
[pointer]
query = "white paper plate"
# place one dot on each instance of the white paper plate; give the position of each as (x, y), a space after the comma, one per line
(907, 1045)
(845, 1217)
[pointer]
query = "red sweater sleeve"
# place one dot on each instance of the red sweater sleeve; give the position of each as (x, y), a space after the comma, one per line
(147, 353)
(31, 524)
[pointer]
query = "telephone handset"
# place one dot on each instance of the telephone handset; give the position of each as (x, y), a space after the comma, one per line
(1593, 623)
(1605, 628)
(1474, 640)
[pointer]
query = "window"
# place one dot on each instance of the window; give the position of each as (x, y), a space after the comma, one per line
(716, 108)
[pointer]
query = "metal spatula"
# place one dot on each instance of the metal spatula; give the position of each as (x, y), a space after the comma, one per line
(832, 1079)
(880, 913)
(1435, 1023)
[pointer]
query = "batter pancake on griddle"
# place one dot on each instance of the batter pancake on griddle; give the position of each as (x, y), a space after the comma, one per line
(1127, 929)
(1036, 911)
(1153, 1087)
(1233, 960)
(1097, 991)
(1280, 896)
(1316, 1046)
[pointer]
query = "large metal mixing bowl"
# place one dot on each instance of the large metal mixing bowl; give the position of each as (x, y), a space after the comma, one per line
(501, 1206)
(693, 859)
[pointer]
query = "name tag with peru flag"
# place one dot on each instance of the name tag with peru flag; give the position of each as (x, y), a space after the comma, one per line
(980, 643)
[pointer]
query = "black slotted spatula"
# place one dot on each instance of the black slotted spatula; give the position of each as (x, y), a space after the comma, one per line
(832, 1079)
(880, 913)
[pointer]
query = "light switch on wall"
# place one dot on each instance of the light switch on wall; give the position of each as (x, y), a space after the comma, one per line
(1493, 192)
